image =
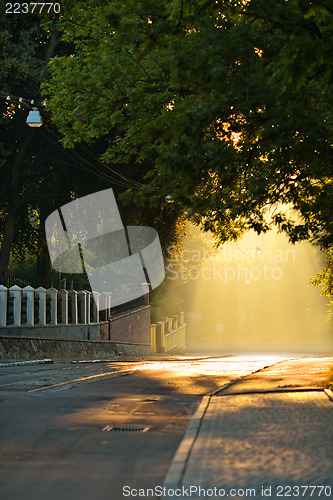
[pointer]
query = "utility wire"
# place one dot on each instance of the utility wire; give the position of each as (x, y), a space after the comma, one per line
(82, 162)
(135, 183)
(125, 181)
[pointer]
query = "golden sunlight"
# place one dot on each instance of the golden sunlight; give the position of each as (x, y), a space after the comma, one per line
(253, 295)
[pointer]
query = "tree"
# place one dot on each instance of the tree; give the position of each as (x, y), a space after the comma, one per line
(229, 105)
(324, 279)
(20, 69)
(38, 175)
(34, 172)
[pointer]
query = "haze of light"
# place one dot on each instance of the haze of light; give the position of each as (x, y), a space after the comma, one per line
(253, 295)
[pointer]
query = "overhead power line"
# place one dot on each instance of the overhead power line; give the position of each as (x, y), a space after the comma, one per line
(123, 182)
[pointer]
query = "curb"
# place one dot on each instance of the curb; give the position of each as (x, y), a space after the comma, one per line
(31, 362)
(82, 361)
(178, 465)
(329, 394)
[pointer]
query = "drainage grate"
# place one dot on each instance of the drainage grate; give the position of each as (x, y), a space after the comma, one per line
(136, 428)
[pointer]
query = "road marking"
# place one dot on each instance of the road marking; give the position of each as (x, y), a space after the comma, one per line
(91, 378)
(43, 374)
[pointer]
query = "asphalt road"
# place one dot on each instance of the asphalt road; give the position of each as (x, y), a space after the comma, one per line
(267, 434)
(85, 431)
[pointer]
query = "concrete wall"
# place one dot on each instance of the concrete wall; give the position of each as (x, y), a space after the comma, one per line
(29, 349)
(133, 326)
(55, 332)
(128, 334)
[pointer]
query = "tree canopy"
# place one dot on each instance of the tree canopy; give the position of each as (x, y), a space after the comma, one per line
(224, 107)
(37, 174)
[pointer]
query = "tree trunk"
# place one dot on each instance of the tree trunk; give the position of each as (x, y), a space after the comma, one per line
(16, 180)
(13, 206)
(43, 258)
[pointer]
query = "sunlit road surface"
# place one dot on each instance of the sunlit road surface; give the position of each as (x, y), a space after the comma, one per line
(269, 434)
(86, 431)
(280, 442)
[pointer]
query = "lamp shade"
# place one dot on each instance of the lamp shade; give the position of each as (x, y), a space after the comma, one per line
(34, 119)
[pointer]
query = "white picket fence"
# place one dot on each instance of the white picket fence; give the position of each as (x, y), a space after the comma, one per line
(28, 306)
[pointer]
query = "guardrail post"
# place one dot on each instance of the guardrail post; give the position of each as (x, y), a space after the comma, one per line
(3, 305)
(63, 296)
(160, 340)
(16, 292)
(29, 293)
(41, 293)
(52, 293)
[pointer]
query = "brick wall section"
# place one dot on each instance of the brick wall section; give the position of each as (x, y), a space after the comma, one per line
(104, 330)
(131, 327)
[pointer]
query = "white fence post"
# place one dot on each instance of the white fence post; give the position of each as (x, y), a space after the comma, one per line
(169, 322)
(109, 299)
(53, 295)
(81, 296)
(175, 322)
(145, 293)
(95, 318)
(3, 305)
(73, 295)
(29, 293)
(40, 292)
(102, 301)
(16, 292)
(160, 338)
(153, 337)
(63, 294)
(88, 299)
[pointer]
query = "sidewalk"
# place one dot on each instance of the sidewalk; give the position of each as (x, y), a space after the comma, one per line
(268, 435)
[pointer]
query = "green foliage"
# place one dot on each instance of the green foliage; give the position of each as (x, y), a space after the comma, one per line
(224, 106)
(49, 175)
(165, 301)
(324, 279)
(21, 71)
